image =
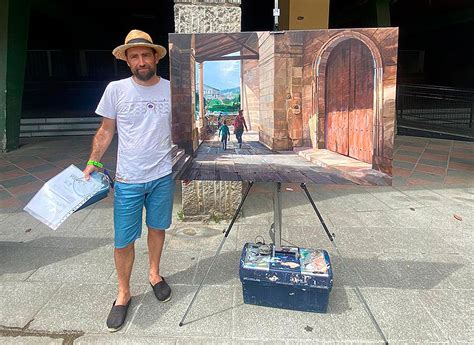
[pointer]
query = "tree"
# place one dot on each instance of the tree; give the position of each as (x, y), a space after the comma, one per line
(236, 99)
(213, 102)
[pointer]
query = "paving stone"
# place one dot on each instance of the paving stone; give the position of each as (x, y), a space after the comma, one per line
(255, 233)
(417, 240)
(443, 218)
(377, 219)
(405, 165)
(256, 206)
(393, 198)
(408, 218)
(225, 270)
(462, 195)
(91, 305)
(8, 234)
(206, 318)
(5, 215)
(4, 194)
(457, 270)
(122, 339)
(426, 178)
(463, 242)
(465, 175)
(421, 195)
(462, 160)
(406, 271)
(354, 239)
(345, 268)
(295, 204)
(20, 227)
(414, 267)
(40, 168)
(195, 236)
(33, 187)
(432, 162)
(7, 168)
(17, 181)
(309, 220)
(366, 202)
(20, 301)
(30, 340)
(448, 309)
(346, 219)
(205, 341)
(305, 236)
(436, 150)
(408, 153)
(92, 265)
(99, 217)
(400, 181)
(397, 320)
(351, 320)
(11, 175)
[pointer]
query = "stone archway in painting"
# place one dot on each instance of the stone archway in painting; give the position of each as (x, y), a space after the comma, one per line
(348, 78)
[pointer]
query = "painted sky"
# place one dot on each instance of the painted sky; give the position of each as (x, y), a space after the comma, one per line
(221, 74)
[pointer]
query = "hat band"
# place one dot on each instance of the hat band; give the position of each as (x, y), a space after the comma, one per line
(139, 40)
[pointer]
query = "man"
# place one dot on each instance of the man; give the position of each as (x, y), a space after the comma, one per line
(239, 124)
(140, 108)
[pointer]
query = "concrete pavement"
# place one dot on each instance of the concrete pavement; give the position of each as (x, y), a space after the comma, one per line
(407, 249)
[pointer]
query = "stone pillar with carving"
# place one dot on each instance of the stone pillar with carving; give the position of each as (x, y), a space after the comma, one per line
(207, 200)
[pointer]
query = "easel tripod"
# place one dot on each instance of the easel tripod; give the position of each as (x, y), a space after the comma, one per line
(277, 245)
(276, 224)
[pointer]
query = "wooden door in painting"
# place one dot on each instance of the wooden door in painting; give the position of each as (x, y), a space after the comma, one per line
(349, 100)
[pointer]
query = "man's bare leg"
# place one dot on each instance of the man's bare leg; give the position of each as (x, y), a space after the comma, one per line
(124, 258)
(156, 239)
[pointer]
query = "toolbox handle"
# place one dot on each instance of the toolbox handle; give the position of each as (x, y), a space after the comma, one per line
(283, 252)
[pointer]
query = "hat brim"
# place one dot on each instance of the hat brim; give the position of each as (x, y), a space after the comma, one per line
(119, 52)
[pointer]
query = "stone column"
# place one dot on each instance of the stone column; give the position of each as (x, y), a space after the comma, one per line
(201, 91)
(194, 16)
(209, 200)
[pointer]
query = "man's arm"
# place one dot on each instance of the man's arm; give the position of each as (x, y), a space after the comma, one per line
(245, 124)
(100, 143)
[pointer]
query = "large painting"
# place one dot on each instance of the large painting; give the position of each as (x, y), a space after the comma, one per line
(319, 105)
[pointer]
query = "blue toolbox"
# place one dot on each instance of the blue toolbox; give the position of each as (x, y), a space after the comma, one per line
(292, 278)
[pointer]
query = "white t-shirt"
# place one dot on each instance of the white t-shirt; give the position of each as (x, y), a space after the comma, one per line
(143, 118)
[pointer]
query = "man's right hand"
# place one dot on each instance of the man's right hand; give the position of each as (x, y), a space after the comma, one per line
(88, 171)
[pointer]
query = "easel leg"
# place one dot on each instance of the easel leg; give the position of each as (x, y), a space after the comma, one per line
(331, 236)
(277, 214)
(357, 290)
(218, 250)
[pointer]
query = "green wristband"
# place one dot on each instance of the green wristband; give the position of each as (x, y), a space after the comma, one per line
(95, 163)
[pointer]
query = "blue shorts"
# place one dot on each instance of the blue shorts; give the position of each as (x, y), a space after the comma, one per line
(156, 196)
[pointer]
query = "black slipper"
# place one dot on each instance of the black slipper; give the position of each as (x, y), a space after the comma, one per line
(117, 316)
(162, 290)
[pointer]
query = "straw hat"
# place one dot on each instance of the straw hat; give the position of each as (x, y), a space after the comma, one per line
(137, 38)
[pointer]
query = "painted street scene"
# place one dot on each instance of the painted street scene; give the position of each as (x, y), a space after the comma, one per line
(312, 91)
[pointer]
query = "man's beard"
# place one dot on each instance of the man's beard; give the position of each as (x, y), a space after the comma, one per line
(142, 75)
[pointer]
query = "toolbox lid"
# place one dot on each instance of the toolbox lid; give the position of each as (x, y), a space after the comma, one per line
(291, 265)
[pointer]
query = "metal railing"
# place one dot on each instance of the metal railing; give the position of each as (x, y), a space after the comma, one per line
(436, 108)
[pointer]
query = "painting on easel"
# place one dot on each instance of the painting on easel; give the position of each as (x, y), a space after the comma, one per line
(317, 106)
